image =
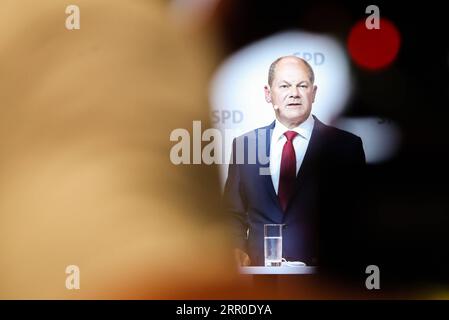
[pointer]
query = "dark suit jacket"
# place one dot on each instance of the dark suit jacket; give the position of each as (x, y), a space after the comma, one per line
(323, 202)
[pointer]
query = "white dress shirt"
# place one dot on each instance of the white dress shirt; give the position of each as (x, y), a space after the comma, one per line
(300, 143)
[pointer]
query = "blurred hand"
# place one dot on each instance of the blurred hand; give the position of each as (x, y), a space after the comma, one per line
(241, 257)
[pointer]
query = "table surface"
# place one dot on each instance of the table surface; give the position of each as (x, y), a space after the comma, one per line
(278, 270)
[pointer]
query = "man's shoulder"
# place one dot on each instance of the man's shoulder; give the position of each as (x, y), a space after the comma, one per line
(341, 143)
(336, 134)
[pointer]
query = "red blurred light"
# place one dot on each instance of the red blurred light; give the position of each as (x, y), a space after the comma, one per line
(376, 48)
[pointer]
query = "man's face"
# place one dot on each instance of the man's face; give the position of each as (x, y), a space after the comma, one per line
(291, 92)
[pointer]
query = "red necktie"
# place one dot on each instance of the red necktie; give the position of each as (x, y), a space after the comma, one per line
(287, 175)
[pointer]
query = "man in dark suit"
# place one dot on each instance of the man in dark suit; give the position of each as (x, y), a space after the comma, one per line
(297, 172)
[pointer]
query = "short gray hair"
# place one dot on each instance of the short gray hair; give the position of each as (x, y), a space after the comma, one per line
(275, 62)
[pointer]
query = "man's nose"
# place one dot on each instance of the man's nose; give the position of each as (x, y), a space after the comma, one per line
(294, 92)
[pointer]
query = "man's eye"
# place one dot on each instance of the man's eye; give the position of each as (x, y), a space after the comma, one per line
(283, 86)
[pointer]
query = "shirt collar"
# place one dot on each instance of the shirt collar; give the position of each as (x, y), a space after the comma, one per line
(304, 129)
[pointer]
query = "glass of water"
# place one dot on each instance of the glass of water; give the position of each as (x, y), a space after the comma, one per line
(273, 245)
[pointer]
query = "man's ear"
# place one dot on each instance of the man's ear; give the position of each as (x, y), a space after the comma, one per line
(314, 93)
(267, 94)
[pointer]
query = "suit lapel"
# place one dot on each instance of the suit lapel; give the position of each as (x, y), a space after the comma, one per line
(264, 137)
(310, 157)
(313, 150)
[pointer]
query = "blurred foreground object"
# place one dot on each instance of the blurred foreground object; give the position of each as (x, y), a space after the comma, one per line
(85, 174)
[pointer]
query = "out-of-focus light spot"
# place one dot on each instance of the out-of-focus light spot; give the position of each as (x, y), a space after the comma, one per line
(380, 137)
(376, 48)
